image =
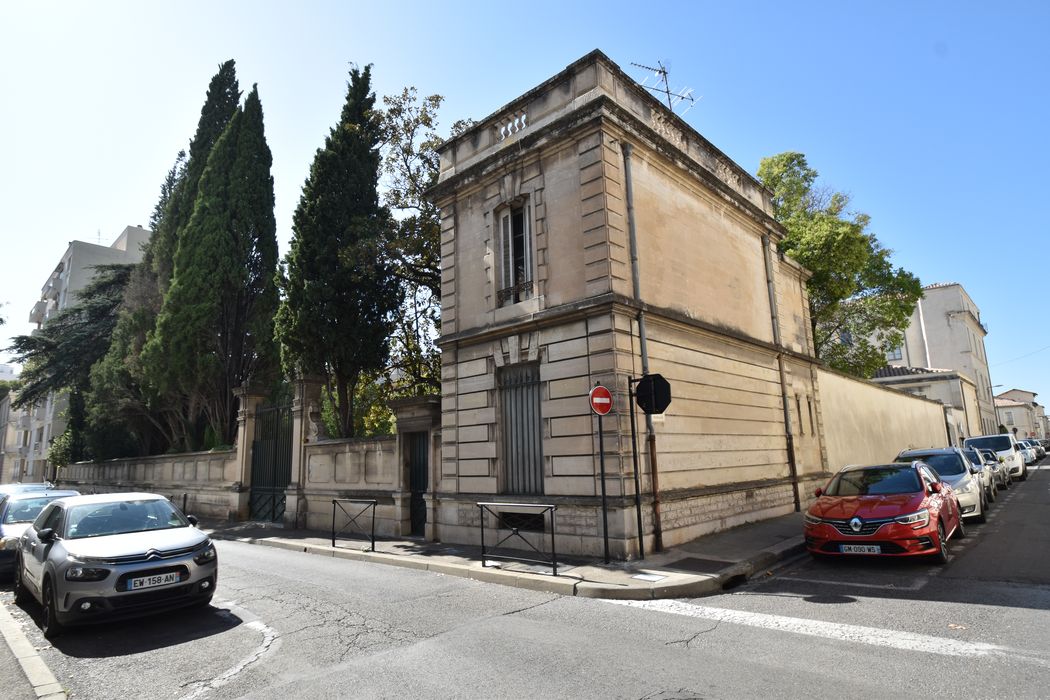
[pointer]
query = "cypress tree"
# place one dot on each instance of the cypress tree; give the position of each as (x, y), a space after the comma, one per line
(215, 329)
(340, 294)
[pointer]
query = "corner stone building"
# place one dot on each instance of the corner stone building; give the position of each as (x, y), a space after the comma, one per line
(538, 305)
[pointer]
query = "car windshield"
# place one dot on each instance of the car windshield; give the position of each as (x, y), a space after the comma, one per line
(999, 443)
(100, 519)
(875, 481)
(973, 456)
(25, 510)
(943, 464)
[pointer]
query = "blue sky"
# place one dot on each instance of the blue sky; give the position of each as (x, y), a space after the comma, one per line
(932, 115)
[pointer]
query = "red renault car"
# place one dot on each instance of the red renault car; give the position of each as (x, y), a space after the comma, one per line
(884, 509)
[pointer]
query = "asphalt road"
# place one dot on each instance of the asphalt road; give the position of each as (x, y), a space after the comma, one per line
(289, 624)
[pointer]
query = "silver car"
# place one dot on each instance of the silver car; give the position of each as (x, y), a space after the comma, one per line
(954, 468)
(94, 558)
(17, 511)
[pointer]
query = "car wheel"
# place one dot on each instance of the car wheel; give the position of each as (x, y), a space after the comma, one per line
(50, 625)
(1024, 474)
(941, 557)
(19, 586)
(981, 517)
(993, 493)
(960, 529)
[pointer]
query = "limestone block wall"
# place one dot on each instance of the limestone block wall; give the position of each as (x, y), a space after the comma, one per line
(354, 469)
(210, 480)
(864, 423)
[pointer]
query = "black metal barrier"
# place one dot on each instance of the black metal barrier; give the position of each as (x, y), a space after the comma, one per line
(540, 509)
(174, 498)
(352, 524)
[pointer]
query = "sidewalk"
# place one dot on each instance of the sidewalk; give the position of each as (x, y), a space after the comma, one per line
(701, 567)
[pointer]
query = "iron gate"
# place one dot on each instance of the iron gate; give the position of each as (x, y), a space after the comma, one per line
(271, 462)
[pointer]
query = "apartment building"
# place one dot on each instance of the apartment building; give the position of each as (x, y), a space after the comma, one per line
(946, 332)
(1019, 413)
(36, 427)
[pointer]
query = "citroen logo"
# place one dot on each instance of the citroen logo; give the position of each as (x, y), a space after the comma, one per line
(856, 524)
(152, 554)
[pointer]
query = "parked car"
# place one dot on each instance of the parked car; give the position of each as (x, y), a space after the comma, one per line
(988, 480)
(1035, 445)
(19, 488)
(1028, 451)
(1002, 474)
(94, 558)
(953, 467)
(1005, 445)
(884, 509)
(17, 511)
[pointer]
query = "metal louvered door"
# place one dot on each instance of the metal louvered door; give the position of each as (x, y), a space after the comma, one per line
(417, 481)
(522, 429)
(271, 462)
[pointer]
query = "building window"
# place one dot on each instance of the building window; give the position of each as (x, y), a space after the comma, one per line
(895, 354)
(521, 429)
(516, 252)
(1009, 417)
(798, 409)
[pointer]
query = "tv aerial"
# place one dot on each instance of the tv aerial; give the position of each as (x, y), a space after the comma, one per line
(673, 98)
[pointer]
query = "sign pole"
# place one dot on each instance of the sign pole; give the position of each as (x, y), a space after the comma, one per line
(600, 400)
(637, 479)
(605, 504)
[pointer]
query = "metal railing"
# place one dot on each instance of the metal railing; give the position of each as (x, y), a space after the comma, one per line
(352, 524)
(540, 509)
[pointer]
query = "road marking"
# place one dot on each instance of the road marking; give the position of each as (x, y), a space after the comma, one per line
(874, 636)
(268, 643)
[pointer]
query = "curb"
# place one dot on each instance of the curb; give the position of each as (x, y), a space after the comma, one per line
(44, 683)
(697, 586)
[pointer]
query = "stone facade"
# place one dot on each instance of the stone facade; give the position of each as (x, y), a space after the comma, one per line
(727, 318)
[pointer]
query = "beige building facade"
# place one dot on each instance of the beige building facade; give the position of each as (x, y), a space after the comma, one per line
(538, 305)
(946, 332)
(36, 427)
(1019, 412)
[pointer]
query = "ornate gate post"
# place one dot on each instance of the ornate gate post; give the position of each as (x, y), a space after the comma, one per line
(248, 400)
(307, 427)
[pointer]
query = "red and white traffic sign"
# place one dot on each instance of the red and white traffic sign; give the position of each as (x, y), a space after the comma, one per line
(601, 400)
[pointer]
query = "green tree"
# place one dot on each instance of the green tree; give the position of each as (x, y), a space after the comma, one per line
(215, 329)
(860, 303)
(58, 358)
(126, 411)
(340, 293)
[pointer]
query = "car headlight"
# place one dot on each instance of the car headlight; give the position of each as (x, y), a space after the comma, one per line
(812, 519)
(918, 519)
(8, 543)
(965, 487)
(207, 555)
(86, 573)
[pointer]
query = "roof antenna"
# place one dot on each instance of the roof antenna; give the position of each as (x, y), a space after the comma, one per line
(673, 98)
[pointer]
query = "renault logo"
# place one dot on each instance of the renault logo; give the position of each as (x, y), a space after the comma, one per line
(856, 524)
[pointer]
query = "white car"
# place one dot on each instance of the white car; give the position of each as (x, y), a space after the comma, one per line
(1005, 446)
(1030, 455)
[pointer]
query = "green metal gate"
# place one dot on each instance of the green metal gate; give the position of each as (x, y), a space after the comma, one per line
(271, 462)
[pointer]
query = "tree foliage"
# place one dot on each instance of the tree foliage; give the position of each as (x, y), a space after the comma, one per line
(59, 357)
(340, 292)
(860, 304)
(125, 410)
(215, 329)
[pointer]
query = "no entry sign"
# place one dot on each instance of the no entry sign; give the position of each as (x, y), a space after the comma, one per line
(601, 400)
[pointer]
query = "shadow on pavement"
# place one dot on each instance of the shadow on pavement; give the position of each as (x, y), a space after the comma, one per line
(136, 635)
